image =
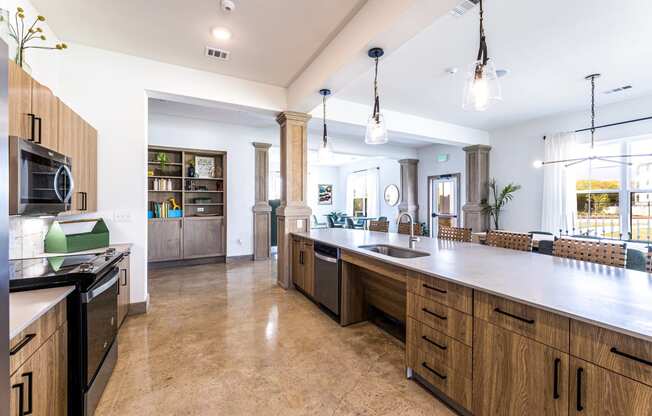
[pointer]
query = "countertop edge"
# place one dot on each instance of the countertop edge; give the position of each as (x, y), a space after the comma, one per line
(13, 332)
(391, 261)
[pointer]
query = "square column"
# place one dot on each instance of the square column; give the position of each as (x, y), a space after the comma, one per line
(409, 188)
(477, 189)
(294, 213)
(262, 210)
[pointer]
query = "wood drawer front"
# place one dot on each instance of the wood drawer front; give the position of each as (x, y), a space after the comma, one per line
(388, 270)
(603, 392)
(31, 338)
(543, 326)
(442, 318)
(449, 382)
(450, 294)
(629, 356)
(446, 350)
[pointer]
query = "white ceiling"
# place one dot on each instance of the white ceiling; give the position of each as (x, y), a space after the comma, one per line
(273, 40)
(548, 47)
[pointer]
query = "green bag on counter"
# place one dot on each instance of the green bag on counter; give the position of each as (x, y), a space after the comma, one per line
(76, 235)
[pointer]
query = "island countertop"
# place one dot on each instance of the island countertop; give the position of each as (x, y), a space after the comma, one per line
(610, 297)
(26, 307)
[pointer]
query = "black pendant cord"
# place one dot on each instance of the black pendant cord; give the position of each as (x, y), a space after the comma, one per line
(483, 55)
(376, 114)
(325, 131)
(592, 111)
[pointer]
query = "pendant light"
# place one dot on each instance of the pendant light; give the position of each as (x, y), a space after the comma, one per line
(615, 159)
(376, 129)
(482, 84)
(325, 149)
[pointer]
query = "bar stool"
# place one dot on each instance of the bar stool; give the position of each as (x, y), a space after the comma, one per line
(600, 252)
(506, 239)
(454, 233)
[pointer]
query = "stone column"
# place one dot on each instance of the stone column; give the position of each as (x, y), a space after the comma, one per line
(294, 213)
(477, 191)
(262, 210)
(409, 188)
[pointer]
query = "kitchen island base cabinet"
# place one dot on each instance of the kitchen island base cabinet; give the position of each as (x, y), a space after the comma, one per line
(303, 265)
(39, 385)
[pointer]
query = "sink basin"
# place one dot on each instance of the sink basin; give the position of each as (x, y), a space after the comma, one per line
(393, 251)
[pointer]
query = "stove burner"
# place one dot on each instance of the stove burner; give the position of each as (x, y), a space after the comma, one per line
(110, 251)
(86, 267)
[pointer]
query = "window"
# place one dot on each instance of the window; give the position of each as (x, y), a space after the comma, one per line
(615, 200)
(274, 185)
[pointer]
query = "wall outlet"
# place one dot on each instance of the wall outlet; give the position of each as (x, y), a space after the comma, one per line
(122, 216)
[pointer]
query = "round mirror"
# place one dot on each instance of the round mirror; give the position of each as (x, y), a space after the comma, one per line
(392, 195)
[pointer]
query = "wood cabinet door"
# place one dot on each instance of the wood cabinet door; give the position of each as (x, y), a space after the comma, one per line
(595, 391)
(297, 263)
(39, 386)
(72, 144)
(203, 237)
(20, 102)
(45, 107)
(164, 240)
(514, 375)
(308, 267)
(90, 167)
(123, 287)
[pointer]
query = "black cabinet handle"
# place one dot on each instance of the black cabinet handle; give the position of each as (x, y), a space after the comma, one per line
(40, 129)
(21, 398)
(32, 122)
(29, 376)
(527, 321)
(432, 370)
(125, 276)
(580, 371)
(22, 344)
(555, 386)
(434, 288)
(85, 201)
(631, 357)
(441, 347)
(443, 318)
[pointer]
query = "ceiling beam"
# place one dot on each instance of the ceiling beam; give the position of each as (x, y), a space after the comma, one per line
(383, 23)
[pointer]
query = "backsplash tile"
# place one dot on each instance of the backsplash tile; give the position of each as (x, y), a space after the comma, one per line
(26, 235)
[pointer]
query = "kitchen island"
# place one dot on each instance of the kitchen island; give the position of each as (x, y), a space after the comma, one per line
(497, 331)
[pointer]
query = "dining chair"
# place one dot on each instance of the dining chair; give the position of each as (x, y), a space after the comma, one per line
(600, 252)
(318, 224)
(351, 224)
(382, 218)
(331, 223)
(507, 239)
(453, 233)
(404, 228)
(648, 263)
(382, 226)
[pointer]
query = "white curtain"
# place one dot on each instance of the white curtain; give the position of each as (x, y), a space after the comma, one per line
(350, 188)
(559, 211)
(373, 193)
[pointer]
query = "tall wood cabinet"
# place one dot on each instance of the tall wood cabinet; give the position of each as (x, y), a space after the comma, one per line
(197, 229)
(37, 115)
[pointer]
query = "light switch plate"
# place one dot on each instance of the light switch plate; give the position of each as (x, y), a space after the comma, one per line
(122, 216)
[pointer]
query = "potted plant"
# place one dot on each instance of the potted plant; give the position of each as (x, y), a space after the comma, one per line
(162, 159)
(500, 199)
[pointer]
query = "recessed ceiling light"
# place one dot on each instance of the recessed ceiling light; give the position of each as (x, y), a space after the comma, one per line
(221, 33)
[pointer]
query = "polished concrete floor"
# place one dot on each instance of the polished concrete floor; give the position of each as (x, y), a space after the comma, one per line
(225, 340)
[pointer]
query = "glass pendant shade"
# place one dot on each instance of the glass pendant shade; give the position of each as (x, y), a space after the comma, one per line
(376, 130)
(482, 86)
(325, 152)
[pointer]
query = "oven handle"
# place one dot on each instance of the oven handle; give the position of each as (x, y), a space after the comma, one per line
(56, 183)
(92, 294)
(72, 184)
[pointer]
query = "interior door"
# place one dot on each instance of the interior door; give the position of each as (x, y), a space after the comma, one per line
(444, 202)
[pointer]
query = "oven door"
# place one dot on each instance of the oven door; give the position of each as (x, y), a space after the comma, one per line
(42, 179)
(100, 310)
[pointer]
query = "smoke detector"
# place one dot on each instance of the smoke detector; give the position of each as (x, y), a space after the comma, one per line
(463, 7)
(228, 6)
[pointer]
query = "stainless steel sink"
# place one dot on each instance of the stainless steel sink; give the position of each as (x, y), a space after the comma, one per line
(393, 251)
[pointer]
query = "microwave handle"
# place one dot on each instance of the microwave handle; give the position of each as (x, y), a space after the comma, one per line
(56, 182)
(71, 189)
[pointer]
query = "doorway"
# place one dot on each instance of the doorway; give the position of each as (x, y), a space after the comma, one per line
(443, 201)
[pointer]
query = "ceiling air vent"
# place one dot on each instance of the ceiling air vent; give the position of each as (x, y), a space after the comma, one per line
(619, 89)
(463, 7)
(217, 53)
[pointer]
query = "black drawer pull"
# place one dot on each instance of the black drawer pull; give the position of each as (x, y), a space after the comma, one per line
(579, 389)
(555, 386)
(32, 120)
(436, 289)
(441, 347)
(29, 376)
(432, 370)
(631, 357)
(528, 321)
(443, 318)
(22, 344)
(21, 397)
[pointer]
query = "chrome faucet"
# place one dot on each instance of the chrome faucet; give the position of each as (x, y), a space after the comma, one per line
(413, 239)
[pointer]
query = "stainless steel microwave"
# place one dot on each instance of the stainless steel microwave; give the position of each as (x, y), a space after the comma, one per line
(40, 180)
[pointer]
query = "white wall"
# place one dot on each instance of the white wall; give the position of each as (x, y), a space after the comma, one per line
(325, 175)
(167, 130)
(428, 166)
(515, 148)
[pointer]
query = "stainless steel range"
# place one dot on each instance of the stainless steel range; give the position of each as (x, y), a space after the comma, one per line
(92, 317)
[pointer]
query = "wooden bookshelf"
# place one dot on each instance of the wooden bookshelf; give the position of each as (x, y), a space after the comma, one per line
(201, 231)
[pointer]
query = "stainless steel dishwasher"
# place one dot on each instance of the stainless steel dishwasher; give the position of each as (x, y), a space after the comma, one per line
(327, 277)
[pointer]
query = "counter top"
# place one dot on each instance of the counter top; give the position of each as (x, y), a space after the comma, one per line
(27, 307)
(610, 297)
(118, 246)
